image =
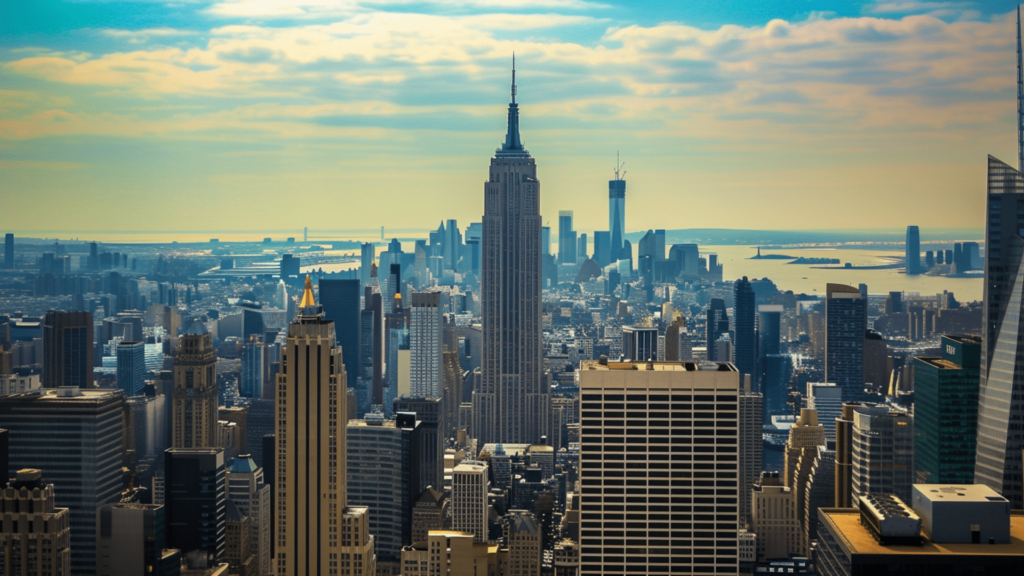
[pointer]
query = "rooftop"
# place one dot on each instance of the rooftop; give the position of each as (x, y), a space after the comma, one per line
(858, 539)
(658, 366)
(940, 363)
(959, 493)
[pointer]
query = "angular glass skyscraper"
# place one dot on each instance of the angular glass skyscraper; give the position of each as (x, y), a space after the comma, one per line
(340, 299)
(1001, 399)
(616, 213)
(512, 402)
(913, 250)
(745, 352)
(845, 326)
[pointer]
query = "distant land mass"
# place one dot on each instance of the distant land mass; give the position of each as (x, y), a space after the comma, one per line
(803, 260)
(766, 238)
(772, 257)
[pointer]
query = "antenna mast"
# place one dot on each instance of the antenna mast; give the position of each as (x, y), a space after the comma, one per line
(514, 77)
(618, 167)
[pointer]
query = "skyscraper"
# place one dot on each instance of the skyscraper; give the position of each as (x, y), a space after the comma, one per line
(131, 367)
(1000, 401)
(195, 391)
(431, 423)
(469, 499)
(34, 533)
(9, 250)
(133, 540)
(845, 319)
(195, 498)
(913, 248)
(340, 299)
(65, 432)
(67, 349)
(371, 345)
(566, 238)
(617, 210)
(640, 343)
(251, 374)
(699, 469)
(316, 531)
(717, 324)
(512, 402)
(745, 339)
(246, 488)
(425, 345)
(883, 452)
(367, 255)
(751, 411)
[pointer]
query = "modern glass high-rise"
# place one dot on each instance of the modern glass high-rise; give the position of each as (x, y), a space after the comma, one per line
(1001, 399)
(67, 349)
(131, 367)
(425, 345)
(195, 498)
(616, 213)
(776, 371)
(717, 324)
(745, 336)
(512, 403)
(845, 326)
(683, 492)
(566, 238)
(883, 452)
(640, 343)
(913, 250)
(316, 532)
(9, 250)
(946, 412)
(340, 300)
(75, 436)
(251, 373)
(367, 256)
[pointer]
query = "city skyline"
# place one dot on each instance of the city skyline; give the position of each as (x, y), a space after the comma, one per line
(112, 115)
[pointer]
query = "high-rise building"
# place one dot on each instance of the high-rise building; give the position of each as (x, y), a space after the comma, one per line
(845, 325)
(678, 347)
(511, 404)
(1000, 402)
(769, 331)
(316, 530)
(717, 324)
(367, 256)
(132, 540)
(251, 374)
(617, 212)
(131, 367)
(566, 238)
(425, 345)
(946, 412)
(397, 353)
(883, 452)
(432, 423)
(801, 448)
(745, 333)
(67, 349)
(66, 431)
(340, 299)
(827, 399)
(383, 476)
(774, 518)
(751, 410)
(195, 499)
(195, 391)
(371, 346)
(470, 487)
(248, 491)
(776, 371)
(913, 249)
(429, 513)
(698, 467)
(581, 248)
(34, 533)
(9, 250)
(819, 493)
(522, 534)
(452, 245)
(640, 343)
(449, 552)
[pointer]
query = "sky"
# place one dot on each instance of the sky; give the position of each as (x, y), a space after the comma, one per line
(221, 115)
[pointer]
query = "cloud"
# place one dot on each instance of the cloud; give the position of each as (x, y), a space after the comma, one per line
(143, 36)
(911, 7)
(306, 9)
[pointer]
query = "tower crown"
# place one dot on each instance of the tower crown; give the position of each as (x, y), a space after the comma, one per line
(513, 145)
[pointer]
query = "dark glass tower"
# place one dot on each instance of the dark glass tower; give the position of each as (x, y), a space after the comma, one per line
(845, 326)
(616, 212)
(744, 310)
(512, 402)
(913, 248)
(1001, 400)
(717, 324)
(340, 299)
(195, 499)
(67, 349)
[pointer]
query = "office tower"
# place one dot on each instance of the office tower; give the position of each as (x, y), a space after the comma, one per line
(132, 540)
(751, 410)
(428, 513)
(251, 375)
(745, 335)
(512, 402)
(391, 286)
(677, 340)
(195, 390)
(371, 346)
(776, 371)
(648, 246)
(451, 381)
(523, 538)
(67, 349)
(34, 533)
(602, 248)
(687, 260)
(883, 452)
(432, 423)
(449, 552)
(827, 399)
(617, 211)
(397, 354)
(946, 412)
(340, 299)
(452, 245)
(775, 521)
(801, 448)
(659, 245)
(876, 361)
(769, 332)
(195, 500)
(1000, 403)
(42, 427)
(469, 499)
(717, 324)
(9, 250)
(640, 343)
(131, 367)
(238, 541)
(844, 455)
(367, 256)
(566, 238)
(425, 345)
(581, 248)
(545, 240)
(316, 530)
(384, 476)
(251, 495)
(845, 325)
(913, 248)
(820, 492)
(698, 466)
(290, 266)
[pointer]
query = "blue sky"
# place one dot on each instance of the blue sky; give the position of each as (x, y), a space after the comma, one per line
(246, 114)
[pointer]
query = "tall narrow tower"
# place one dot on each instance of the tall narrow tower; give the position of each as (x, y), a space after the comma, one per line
(617, 210)
(195, 390)
(512, 402)
(317, 533)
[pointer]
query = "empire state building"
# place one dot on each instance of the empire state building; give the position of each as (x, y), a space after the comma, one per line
(512, 403)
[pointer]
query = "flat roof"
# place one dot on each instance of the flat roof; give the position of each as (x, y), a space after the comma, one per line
(859, 540)
(940, 363)
(958, 493)
(659, 366)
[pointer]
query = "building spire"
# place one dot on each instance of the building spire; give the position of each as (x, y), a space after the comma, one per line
(1020, 100)
(513, 144)
(307, 296)
(514, 58)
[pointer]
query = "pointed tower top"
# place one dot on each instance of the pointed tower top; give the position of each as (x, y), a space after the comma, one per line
(514, 65)
(307, 296)
(513, 145)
